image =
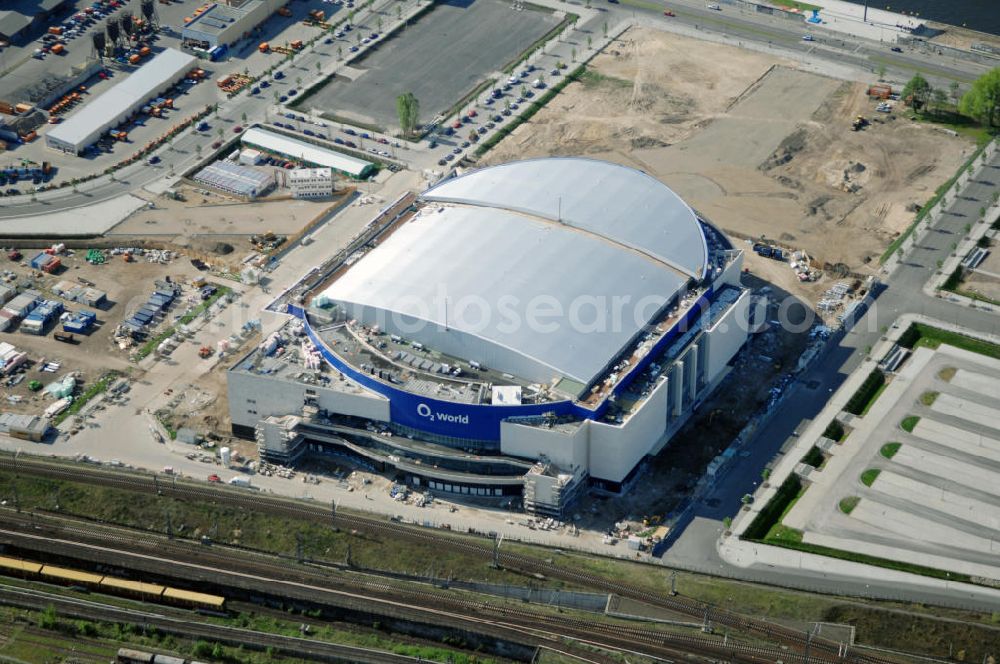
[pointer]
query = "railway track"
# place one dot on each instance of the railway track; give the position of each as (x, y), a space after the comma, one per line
(799, 644)
(191, 629)
(375, 595)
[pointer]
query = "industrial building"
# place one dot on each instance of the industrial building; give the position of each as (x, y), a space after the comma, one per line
(524, 330)
(307, 153)
(222, 23)
(243, 181)
(311, 182)
(19, 17)
(25, 427)
(119, 103)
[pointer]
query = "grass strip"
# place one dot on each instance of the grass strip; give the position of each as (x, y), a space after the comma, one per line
(529, 112)
(875, 561)
(865, 396)
(869, 476)
(848, 504)
(935, 199)
(97, 388)
(889, 450)
(151, 345)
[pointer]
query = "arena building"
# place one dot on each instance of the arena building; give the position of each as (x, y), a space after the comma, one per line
(527, 329)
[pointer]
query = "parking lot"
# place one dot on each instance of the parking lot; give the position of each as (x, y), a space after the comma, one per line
(924, 477)
(189, 99)
(440, 58)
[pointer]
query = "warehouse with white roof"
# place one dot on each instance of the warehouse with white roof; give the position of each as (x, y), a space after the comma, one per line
(566, 313)
(121, 102)
(309, 154)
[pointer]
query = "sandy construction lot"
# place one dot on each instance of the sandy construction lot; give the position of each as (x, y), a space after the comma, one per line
(754, 144)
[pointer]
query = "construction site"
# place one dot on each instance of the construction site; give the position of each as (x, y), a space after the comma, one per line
(770, 152)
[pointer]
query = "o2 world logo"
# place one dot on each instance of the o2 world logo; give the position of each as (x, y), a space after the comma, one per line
(423, 410)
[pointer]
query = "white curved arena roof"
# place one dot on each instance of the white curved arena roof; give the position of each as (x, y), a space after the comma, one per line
(479, 275)
(616, 202)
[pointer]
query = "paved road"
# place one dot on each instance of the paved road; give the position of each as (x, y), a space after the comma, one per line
(903, 293)
(787, 35)
(182, 154)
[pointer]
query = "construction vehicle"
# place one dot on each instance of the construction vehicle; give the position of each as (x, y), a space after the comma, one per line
(205, 352)
(15, 255)
(267, 241)
(264, 47)
(879, 90)
(859, 123)
(296, 45)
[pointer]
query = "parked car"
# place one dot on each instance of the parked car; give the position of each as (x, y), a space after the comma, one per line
(237, 129)
(896, 49)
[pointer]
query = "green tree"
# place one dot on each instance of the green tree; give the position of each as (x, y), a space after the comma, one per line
(954, 92)
(982, 101)
(243, 116)
(340, 52)
(939, 98)
(917, 91)
(48, 618)
(408, 110)
(881, 72)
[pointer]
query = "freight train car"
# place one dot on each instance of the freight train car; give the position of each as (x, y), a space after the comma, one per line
(112, 585)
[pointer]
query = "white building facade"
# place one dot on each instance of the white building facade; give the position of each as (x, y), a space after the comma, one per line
(311, 182)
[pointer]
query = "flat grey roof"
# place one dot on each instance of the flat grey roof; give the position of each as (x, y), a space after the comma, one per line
(117, 101)
(615, 202)
(453, 261)
(13, 22)
(307, 152)
(219, 17)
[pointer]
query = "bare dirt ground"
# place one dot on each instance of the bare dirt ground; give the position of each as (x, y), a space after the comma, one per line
(985, 280)
(754, 144)
(205, 220)
(128, 285)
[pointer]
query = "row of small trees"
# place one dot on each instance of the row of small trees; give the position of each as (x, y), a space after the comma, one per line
(981, 102)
